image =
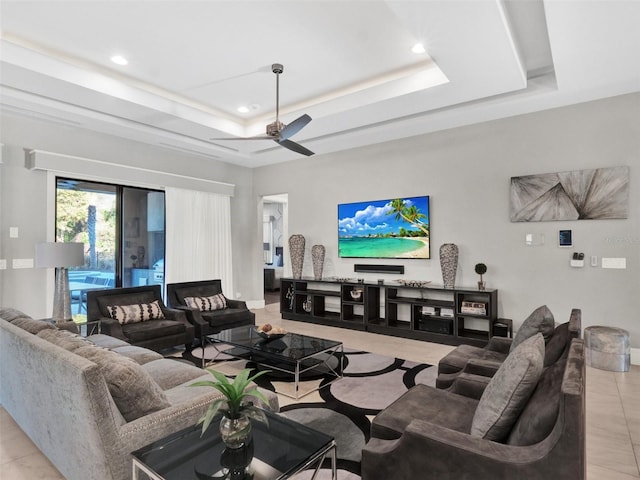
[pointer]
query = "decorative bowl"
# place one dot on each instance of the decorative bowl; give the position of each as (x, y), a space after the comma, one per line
(356, 294)
(271, 336)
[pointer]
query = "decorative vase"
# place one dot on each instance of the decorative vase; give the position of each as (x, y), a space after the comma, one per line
(317, 258)
(235, 431)
(482, 285)
(296, 250)
(307, 305)
(449, 263)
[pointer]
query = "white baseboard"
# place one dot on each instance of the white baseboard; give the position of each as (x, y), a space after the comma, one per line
(252, 304)
(635, 356)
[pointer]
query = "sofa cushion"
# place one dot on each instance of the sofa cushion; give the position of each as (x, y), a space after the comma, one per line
(457, 359)
(509, 390)
(169, 373)
(540, 321)
(134, 313)
(228, 318)
(32, 326)
(106, 341)
(133, 390)
(214, 302)
(538, 418)
(64, 338)
(557, 345)
(139, 355)
(142, 331)
(429, 404)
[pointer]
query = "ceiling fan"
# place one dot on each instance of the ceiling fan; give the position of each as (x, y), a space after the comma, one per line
(278, 131)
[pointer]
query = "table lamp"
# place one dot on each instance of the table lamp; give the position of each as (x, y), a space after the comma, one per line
(60, 255)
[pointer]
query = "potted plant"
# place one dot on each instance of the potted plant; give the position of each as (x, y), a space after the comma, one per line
(481, 269)
(237, 412)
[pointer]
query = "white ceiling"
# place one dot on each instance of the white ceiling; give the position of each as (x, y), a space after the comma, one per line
(347, 64)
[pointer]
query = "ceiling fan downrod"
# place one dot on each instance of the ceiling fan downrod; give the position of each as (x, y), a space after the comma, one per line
(274, 129)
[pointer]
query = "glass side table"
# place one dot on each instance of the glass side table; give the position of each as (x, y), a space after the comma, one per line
(276, 451)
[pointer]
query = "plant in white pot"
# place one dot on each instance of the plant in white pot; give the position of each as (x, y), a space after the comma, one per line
(237, 411)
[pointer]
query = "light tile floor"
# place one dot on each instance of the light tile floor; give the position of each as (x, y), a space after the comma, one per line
(613, 408)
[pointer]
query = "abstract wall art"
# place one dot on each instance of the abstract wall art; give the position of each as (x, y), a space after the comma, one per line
(601, 193)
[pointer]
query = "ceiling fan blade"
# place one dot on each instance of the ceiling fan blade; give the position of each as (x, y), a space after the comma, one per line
(296, 147)
(294, 127)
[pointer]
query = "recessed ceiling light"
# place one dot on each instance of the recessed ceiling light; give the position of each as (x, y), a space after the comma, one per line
(418, 48)
(243, 109)
(119, 60)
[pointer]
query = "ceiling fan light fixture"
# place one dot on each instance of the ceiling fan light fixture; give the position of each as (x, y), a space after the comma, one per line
(418, 48)
(119, 60)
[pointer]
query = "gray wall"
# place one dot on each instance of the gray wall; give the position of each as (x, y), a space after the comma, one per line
(466, 172)
(23, 199)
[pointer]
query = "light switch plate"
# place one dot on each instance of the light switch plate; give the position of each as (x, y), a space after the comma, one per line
(13, 232)
(3, 263)
(594, 260)
(22, 263)
(614, 262)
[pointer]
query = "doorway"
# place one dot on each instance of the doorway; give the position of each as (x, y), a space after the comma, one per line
(275, 212)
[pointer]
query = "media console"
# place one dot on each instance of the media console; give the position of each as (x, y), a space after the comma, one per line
(452, 316)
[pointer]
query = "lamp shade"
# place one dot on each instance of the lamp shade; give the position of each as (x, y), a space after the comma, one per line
(59, 254)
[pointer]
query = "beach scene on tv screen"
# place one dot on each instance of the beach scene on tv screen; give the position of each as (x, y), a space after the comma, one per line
(394, 228)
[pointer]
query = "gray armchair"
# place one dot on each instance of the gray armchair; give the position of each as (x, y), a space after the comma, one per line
(426, 433)
(206, 322)
(156, 334)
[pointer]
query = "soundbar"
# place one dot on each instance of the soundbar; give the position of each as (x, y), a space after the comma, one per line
(358, 267)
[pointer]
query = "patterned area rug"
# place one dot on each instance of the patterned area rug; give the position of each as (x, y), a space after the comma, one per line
(371, 382)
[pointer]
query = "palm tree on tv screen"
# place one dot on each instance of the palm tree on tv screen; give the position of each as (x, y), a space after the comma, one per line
(410, 214)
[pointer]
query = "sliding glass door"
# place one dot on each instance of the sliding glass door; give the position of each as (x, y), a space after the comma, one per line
(122, 229)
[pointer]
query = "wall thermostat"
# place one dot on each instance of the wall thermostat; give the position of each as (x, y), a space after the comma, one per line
(565, 238)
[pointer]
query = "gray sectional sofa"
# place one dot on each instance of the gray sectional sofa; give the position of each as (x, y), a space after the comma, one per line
(87, 408)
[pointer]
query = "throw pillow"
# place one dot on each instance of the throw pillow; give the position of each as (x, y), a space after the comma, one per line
(134, 392)
(140, 312)
(214, 302)
(541, 320)
(509, 390)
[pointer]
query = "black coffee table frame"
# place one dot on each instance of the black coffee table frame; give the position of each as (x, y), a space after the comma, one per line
(293, 354)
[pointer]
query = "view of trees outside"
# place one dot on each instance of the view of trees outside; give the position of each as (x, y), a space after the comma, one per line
(90, 218)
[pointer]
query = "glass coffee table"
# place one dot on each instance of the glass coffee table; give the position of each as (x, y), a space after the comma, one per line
(275, 451)
(293, 354)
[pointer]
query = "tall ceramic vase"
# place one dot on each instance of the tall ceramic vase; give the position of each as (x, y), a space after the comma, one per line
(317, 258)
(449, 263)
(296, 250)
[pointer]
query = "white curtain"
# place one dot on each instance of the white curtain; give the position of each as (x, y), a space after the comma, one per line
(198, 237)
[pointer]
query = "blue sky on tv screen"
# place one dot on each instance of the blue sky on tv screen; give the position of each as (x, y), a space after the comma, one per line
(364, 218)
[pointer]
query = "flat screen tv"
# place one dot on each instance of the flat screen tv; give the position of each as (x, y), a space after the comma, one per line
(394, 228)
